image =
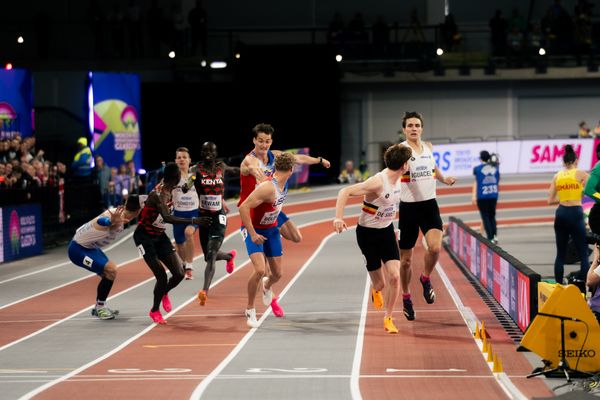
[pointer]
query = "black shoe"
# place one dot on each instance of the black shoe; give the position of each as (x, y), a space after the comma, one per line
(428, 292)
(408, 309)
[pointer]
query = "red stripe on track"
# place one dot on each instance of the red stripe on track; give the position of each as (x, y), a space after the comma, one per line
(207, 339)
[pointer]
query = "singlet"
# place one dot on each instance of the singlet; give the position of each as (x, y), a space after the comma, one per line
(210, 188)
(265, 215)
(187, 201)
(567, 185)
(88, 236)
(151, 221)
(379, 213)
(488, 178)
(248, 182)
(419, 180)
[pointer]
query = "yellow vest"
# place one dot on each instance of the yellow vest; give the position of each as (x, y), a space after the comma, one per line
(567, 185)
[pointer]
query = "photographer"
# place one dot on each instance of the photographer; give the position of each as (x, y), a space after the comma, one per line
(485, 192)
(593, 280)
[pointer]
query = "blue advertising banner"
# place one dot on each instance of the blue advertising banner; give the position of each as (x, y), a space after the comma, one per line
(114, 117)
(21, 231)
(16, 103)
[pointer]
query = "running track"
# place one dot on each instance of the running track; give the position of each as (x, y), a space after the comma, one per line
(331, 343)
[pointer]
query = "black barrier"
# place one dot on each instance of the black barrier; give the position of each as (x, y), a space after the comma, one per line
(512, 283)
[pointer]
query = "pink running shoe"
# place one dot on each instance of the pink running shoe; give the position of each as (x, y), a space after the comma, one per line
(166, 303)
(230, 264)
(157, 317)
(277, 310)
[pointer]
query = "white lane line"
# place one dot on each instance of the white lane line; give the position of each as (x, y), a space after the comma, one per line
(358, 349)
(245, 377)
(112, 246)
(201, 388)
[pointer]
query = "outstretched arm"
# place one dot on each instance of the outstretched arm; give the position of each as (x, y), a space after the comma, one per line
(371, 185)
(161, 204)
(251, 166)
(306, 159)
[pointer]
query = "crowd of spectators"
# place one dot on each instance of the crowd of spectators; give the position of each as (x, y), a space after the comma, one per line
(116, 183)
(23, 166)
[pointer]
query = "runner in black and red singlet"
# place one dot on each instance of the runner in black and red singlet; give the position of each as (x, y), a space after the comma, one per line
(210, 187)
(154, 245)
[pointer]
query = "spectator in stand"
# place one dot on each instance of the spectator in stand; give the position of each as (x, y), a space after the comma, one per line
(122, 184)
(451, 38)
(82, 162)
(414, 33)
(350, 174)
(356, 29)
(13, 150)
(335, 34)
(597, 130)
(584, 131)
(2, 175)
(198, 21)
(101, 178)
(515, 47)
(135, 182)
(4, 151)
(499, 31)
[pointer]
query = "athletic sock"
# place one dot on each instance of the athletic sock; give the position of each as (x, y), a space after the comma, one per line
(104, 289)
(405, 296)
(424, 278)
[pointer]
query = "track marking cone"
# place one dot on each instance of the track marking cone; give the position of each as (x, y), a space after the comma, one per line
(484, 347)
(482, 330)
(477, 334)
(497, 364)
(490, 354)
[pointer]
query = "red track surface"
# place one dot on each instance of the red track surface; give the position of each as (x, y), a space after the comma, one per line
(199, 338)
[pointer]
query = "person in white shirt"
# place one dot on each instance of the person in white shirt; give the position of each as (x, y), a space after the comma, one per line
(84, 249)
(375, 230)
(419, 210)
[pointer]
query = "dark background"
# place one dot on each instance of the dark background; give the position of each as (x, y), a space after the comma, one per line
(295, 89)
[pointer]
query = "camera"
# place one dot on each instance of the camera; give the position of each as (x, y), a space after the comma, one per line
(592, 238)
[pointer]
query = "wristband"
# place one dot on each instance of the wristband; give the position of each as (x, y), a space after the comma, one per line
(103, 221)
(321, 160)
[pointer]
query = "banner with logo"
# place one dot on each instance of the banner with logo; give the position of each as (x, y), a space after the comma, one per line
(21, 231)
(16, 103)
(114, 117)
(512, 284)
(515, 156)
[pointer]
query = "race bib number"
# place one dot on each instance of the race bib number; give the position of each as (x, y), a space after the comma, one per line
(87, 261)
(223, 219)
(159, 222)
(211, 202)
(490, 189)
(141, 250)
(388, 213)
(244, 233)
(269, 217)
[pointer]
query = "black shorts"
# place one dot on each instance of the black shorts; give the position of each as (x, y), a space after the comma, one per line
(424, 215)
(153, 246)
(216, 230)
(377, 245)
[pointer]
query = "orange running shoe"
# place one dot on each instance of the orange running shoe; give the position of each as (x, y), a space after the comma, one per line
(377, 299)
(202, 296)
(388, 325)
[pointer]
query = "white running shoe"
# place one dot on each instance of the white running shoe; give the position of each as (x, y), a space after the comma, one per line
(267, 296)
(251, 318)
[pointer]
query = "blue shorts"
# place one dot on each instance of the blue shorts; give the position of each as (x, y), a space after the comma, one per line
(271, 247)
(93, 260)
(282, 219)
(179, 229)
